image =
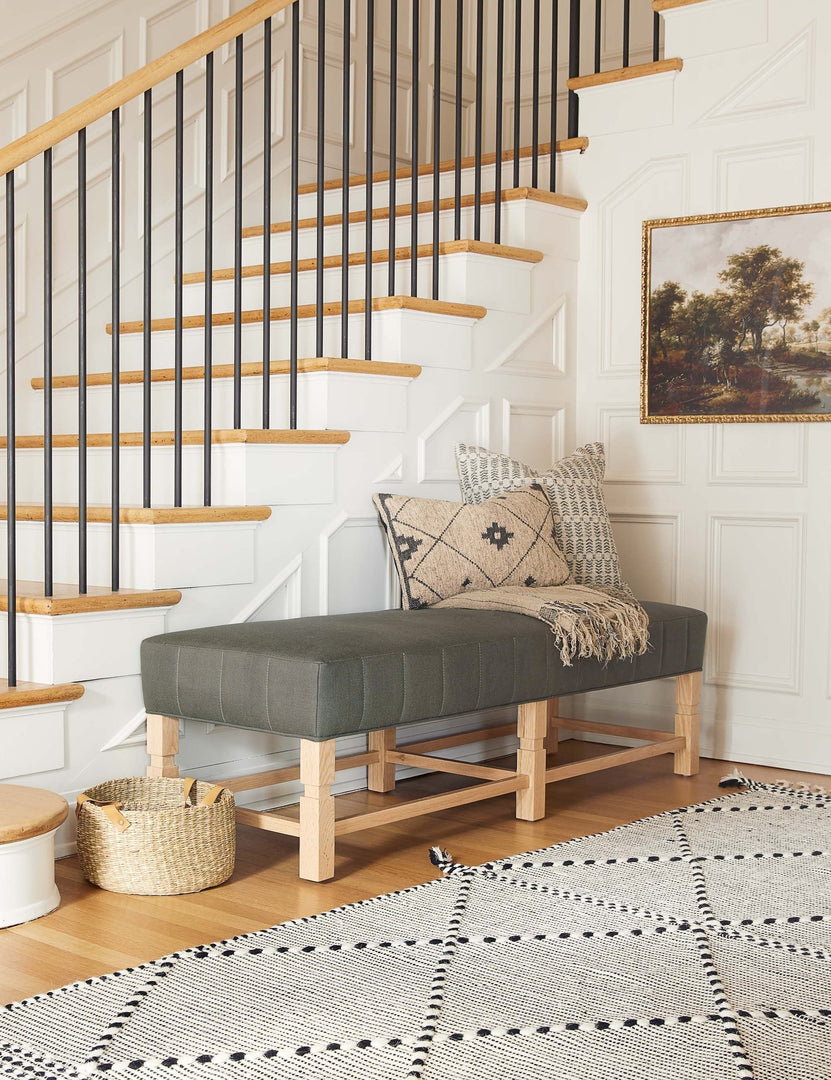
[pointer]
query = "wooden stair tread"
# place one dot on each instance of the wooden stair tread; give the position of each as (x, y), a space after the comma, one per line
(561, 146)
(143, 515)
(358, 258)
(26, 812)
(280, 437)
(637, 71)
(381, 213)
(67, 600)
(250, 369)
(668, 5)
(309, 311)
(27, 693)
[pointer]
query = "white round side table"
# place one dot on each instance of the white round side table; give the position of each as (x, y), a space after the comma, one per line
(29, 819)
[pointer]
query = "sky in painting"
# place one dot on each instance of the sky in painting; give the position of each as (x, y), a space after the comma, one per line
(693, 254)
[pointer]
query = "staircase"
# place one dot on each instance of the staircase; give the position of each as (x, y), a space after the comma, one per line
(198, 441)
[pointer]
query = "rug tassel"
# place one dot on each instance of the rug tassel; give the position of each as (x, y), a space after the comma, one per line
(440, 858)
(734, 779)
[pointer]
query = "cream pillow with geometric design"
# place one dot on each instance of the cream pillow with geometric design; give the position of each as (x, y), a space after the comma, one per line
(442, 548)
(574, 485)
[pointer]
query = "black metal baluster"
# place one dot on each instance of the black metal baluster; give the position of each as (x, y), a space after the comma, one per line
(178, 293)
(555, 49)
(500, 79)
(477, 149)
(598, 21)
(82, 360)
(436, 141)
(370, 159)
(48, 513)
(517, 87)
(626, 29)
(393, 143)
(266, 224)
(295, 201)
(414, 91)
(535, 102)
(238, 92)
(147, 330)
(573, 67)
(346, 118)
(457, 205)
(115, 397)
(321, 119)
(207, 420)
(11, 432)
(656, 36)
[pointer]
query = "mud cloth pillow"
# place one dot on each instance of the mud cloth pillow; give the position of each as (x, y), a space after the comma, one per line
(444, 548)
(574, 485)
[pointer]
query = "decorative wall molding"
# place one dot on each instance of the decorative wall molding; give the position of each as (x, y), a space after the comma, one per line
(555, 315)
(769, 454)
(392, 473)
(475, 430)
(755, 600)
(780, 173)
(101, 65)
(658, 451)
(554, 420)
(345, 521)
(647, 562)
(21, 263)
(14, 122)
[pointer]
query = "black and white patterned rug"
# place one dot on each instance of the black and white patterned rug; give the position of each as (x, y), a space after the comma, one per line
(694, 945)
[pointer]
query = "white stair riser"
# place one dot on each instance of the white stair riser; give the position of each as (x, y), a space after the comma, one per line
(333, 199)
(514, 231)
(79, 648)
(151, 556)
(332, 400)
(464, 278)
(398, 336)
(43, 747)
(242, 475)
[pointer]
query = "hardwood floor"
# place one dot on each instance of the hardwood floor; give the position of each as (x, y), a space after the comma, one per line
(94, 931)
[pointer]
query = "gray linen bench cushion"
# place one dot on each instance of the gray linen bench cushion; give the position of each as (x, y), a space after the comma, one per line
(335, 675)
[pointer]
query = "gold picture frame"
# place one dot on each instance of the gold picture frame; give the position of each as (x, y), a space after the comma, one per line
(731, 333)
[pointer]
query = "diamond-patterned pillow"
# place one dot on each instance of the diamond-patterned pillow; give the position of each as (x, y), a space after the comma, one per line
(444, 548)
(574, 484)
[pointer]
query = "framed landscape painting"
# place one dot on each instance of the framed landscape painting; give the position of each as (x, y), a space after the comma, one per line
(736, 317)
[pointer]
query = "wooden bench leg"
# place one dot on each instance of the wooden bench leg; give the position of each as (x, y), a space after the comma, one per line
(552, 739)
(381, 776)
(317, 810)
(162, 745)
(687, 721)
(532, 727)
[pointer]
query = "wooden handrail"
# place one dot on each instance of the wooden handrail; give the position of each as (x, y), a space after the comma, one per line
(131, 86)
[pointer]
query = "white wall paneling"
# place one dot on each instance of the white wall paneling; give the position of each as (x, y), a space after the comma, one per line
(770, 454)
(649, 546)
(533, 432)
(636, 455)
(465, 420)
(787, 168)
(354, 575)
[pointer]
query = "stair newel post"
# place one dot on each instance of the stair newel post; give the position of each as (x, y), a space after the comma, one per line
(147, 329)
(115, 395)
(11, 430)
(555, 50)
(477, 149)
(500, 79)
(393, 141)
(627, 22)
(573, 67)
(457, 207)
(598, 23)
(346, 135)
(238, 114)
(517, 87)
(295, 198)
(414, 92)
(266, 224)
(178, 287)
(436, 141)
(82, 360)
(47, 375)
(370, 158)
(535, 100)
(321, 173)
(207, 424)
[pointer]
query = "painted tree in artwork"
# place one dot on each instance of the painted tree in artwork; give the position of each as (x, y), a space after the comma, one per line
(766, 289)
(662, 307)
(812, 328)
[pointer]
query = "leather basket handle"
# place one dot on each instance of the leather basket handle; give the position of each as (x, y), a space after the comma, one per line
(112, 811)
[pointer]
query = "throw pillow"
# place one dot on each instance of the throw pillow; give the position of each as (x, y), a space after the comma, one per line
(444, 548)
(574, 485)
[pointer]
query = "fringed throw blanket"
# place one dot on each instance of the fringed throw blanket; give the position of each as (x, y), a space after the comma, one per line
(586, 623)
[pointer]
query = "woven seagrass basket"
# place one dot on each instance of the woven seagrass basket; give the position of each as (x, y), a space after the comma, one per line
(156, 836)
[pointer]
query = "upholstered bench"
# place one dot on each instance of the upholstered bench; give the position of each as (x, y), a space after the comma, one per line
(325, 677)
